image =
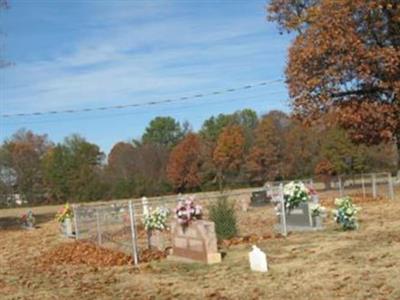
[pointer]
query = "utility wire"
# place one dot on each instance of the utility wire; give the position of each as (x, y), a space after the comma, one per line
(252, 98)
(124, 106)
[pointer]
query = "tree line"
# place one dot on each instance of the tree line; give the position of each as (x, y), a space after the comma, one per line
(229, 151)
(343, 78)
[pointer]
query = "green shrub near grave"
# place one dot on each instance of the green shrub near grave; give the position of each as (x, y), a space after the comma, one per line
(222, 213)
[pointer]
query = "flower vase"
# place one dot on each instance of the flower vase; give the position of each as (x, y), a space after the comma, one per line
(156, 240)
(29, 225)
(317, 221)
(67, 226)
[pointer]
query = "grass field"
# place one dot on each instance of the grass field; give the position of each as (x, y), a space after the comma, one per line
(329, 264)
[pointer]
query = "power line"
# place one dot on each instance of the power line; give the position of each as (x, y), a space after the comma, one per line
(252, 98)
(149, 103)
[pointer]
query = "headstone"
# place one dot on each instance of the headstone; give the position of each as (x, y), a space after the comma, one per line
(196, 242)
(258, 260)
(259, 198)
(299, 217)
(156, 240)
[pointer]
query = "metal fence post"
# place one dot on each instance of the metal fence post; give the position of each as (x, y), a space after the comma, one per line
(283, 209)
(374, 186)
(133, 233)
(391, 190)
(363, 185)
(98, 227)
(75, 221)
(340, 186)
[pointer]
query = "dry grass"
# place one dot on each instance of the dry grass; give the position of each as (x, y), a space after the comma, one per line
(330, 264)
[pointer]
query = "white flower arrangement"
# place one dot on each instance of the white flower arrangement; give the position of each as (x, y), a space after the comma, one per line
(295, 193)
(156, 219)
(345, 213)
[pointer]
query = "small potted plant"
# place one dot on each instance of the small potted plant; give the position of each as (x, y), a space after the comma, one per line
(64, 218)
(155, 222)
(318, 212)
(28, 220)
(345, 213)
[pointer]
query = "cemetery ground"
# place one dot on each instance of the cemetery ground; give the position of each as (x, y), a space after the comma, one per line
(329, 264)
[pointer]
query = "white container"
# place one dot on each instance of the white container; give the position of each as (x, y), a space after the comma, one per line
(68, 227)
(258, 260)
(145, 206)
(315, 199)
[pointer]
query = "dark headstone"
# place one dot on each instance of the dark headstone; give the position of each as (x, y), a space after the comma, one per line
(259, 198)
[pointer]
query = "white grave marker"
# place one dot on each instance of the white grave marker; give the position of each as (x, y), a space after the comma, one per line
(258, 260)
(145, 205)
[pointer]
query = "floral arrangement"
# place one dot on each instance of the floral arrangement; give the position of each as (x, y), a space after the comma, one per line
(64, 213)
(187, 211)
(28, 219)
(317, 210)
(294, 194)
(345, 213)
(156, 219)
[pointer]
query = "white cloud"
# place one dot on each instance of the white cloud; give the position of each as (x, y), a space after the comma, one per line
(124, 61)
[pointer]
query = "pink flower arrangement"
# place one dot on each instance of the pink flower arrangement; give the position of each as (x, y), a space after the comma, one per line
(311, 190)
(186, 211)
(28, 219)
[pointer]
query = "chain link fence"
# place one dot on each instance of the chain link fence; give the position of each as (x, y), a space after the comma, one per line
(119, 225)
(107, 225)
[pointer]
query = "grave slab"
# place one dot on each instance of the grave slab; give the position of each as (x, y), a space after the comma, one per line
(196, 242)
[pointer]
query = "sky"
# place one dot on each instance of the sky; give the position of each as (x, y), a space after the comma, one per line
(93, 53)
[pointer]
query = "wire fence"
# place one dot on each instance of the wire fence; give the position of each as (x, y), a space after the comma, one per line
(371, 186)
(119, 225)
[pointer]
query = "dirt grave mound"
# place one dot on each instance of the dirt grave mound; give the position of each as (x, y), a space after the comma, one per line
(79, 252)
(76, 253)
(148, 255)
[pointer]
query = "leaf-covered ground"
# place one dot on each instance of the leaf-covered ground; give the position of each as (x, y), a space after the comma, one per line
(329, 264)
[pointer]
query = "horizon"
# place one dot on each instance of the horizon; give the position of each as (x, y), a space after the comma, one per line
(95, 54)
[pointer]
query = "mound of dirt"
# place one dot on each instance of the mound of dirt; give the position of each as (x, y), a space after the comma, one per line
(86, 253)
(152, 255)
(79, 252)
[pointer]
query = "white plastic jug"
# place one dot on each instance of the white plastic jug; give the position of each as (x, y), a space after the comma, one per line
(258, 260)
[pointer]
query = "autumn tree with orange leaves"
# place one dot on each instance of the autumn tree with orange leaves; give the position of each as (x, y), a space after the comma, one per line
(23, 154)
(345, 59)
(184, 164)
(228, 153)
(265, 160)
(121, 169)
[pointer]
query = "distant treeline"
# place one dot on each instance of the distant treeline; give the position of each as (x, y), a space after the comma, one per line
(230, 150)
